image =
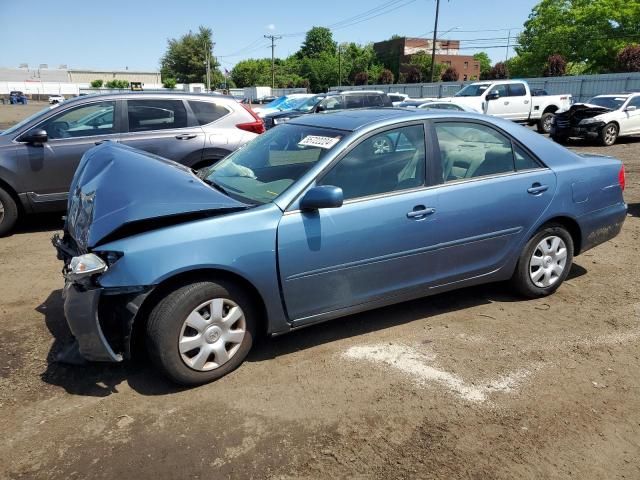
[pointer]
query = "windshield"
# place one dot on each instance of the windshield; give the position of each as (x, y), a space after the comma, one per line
(613, 103)
(265, 167)
(19, 125)
(309, 103)
(276, 102)
(291, 103)
(473, 90)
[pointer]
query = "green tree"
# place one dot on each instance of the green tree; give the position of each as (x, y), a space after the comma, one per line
(117, 84)
(185, 58)
(318, 41)
(169, 83)
(422, 61)
(361, 78)
(485, 64)
(386, 77)
(499, 71)
(252, 72)
(97, 83)
(582, 31)
(450, 75)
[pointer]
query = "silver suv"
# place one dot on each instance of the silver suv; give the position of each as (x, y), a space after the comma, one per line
(39, 155)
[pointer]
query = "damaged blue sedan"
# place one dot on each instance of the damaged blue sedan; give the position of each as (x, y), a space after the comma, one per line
(321, 217)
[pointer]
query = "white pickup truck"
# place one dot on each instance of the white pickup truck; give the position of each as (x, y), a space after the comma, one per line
(512, 99)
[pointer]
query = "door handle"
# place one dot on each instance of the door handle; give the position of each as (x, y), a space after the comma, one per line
(537, 189)
(506, 103)
(420, 212)
(186, 136)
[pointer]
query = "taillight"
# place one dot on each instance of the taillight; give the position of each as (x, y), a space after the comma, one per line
(621, 178)
(257, 126)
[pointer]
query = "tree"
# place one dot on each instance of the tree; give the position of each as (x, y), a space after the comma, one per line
(252, 72)
(169, 83)
(185, 58)
(422, 61)
(318, 40)
(450, 75)
(97, 83)
(413, 74)
(499, 71)
(386, 77)
(485, 64)
(582, 31)
(628, 59)
(556, 66)
(117, 84)
(361, 78)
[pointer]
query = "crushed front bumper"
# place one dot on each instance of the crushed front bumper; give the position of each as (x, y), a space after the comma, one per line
(562, 129)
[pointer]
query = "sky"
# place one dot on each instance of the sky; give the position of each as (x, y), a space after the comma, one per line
(120, 34)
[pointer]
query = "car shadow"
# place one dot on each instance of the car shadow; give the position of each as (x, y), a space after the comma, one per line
(633, 209)
(103, 379)
(40, 222)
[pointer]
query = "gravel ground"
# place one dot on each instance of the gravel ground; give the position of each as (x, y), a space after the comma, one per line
(471, 384)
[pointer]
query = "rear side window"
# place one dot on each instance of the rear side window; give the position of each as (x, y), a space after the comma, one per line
(524, 161)
(517, 90)
(207, 112)
(146, 115)
(354, 101)
(374, 101)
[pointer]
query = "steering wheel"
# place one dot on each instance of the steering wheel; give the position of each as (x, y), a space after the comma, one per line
(58, 130)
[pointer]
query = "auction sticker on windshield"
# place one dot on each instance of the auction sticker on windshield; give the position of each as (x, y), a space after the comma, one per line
(318, 141)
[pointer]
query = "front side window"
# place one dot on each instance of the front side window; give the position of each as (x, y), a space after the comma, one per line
(207, 112)
(265, 167)
(474, 90)
(470, 150)
(634, 102)
(383, 163)
(83, 121)
(501, 89)
(146, 115)
(333, 103)
(517, 90)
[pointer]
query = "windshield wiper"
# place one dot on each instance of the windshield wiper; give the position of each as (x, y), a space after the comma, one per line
(215, 185)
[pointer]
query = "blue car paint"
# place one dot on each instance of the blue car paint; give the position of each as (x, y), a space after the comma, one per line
(312, 266)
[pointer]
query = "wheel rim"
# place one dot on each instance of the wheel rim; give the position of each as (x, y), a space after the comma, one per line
(546, 124)
(610, 134)
(548, 261)
(381, 145)
(1, 211)
(211, 334)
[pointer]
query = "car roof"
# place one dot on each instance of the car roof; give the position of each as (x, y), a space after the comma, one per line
(139, 95)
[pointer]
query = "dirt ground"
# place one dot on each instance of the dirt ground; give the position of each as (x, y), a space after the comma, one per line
(474, 384)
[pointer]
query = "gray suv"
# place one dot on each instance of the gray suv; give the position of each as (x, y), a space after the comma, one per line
(39, 155)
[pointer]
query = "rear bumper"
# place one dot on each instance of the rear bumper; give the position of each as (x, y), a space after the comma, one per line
(81, 312)
(602, 225)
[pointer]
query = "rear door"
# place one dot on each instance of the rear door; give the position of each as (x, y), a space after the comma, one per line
(165, 127)
(493, 192)
(49, 168)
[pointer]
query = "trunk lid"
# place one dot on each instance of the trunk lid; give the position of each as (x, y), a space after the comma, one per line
(117, 186)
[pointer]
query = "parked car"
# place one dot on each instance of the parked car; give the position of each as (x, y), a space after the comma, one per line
(16, 97)
(433, 105)
(39, 155)
(312, 221)
(512, 99)
(284, 103)
(264, 100)
(604, 118)
(397, 98)
(54, 99)
(330, 102)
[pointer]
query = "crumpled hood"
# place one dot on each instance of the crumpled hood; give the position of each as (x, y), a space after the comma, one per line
(585, 110)
(116, 185)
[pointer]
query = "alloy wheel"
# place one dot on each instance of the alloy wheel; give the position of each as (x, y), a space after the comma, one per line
(610, 135)
(212, 334)
(548, 261)
(381, 145)
(1, 211)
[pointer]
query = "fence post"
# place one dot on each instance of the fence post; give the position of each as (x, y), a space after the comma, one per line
(580, 90)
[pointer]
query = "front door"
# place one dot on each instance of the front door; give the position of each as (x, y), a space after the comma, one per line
(632, 123)
(372, 248)
(163, 127)
(50, 167)
(519, 102)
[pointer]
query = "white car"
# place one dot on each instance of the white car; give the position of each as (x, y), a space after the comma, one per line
(397, 98)
(604, 117)
(280, 104)
(53, 99)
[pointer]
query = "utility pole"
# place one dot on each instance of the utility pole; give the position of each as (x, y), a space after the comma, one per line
(433, 47)
(273, 38)
(339, 65)
(506, 55)
(207, 57)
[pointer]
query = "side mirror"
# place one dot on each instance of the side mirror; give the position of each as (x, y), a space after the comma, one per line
(324, 196)
(630, 109)
(493, 96)
(320, 108)
(35, 136)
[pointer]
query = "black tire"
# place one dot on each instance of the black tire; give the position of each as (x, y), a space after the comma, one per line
(608, 135)
(165, 324)
(8, 212)
(522, 277)
(544, 124)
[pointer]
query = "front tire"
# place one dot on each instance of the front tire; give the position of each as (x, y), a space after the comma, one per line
(544, 263)
(201, 331)
(608, 134)
(8, 212)
(544, 124)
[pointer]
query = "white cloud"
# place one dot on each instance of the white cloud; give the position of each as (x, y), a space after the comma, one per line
(271, 27)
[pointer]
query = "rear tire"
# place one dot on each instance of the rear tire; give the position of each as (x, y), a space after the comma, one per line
(608, 134)
(560, 139)
(544, 124)
(8, 212)
(201, 331)
(544, 262)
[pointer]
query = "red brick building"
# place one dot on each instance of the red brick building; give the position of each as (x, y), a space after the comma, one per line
(397, 52)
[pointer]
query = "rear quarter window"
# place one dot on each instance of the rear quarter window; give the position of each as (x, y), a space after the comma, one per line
(207, 112)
